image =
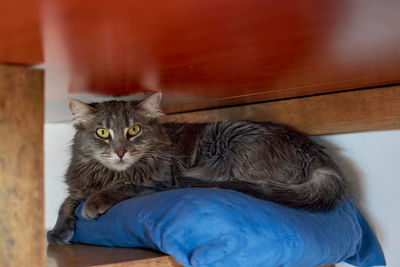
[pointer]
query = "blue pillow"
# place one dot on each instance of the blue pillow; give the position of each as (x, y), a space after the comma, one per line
(216, 227)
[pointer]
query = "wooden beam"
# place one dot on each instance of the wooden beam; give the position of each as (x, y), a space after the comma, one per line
(21, 167)
(352, 111)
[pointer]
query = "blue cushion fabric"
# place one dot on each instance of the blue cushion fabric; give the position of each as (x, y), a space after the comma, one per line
(216, 227)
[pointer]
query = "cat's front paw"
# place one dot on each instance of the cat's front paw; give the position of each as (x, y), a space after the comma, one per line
(95, 206)
(60, 236)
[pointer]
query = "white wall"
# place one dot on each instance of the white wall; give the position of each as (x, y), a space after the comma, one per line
(57, 140)
(373, 161)
(369, 159)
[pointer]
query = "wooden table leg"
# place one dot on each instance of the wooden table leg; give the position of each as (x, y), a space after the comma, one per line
(22, 240)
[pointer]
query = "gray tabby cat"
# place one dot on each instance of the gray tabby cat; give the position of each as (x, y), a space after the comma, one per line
(120, 151)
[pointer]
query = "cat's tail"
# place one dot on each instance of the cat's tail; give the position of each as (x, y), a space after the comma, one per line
(322, 191)
(324, 188)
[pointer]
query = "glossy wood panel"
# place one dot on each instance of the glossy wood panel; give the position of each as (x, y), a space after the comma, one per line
(20, 32)
(21, 167)
(205, 54)
(354, 111)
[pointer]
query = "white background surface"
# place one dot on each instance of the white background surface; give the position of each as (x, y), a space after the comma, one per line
(371, 160)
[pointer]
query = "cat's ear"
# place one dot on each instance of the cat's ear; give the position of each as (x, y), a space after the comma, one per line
(80, 111)
(152, 105)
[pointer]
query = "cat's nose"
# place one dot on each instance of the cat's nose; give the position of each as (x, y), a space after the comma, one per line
(121, 154)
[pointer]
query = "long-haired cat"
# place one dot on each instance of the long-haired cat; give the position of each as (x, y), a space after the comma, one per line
(120, 150)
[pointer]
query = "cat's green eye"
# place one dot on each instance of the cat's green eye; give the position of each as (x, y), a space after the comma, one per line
(133, 130)
(103, 133)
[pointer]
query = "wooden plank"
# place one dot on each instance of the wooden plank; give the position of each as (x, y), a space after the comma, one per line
(85, 255)
(165, 261)
(353, 111)
(212, 53)
(21, 167)
(20, 32)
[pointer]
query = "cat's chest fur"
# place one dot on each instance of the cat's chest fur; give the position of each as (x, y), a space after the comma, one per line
(149, 172)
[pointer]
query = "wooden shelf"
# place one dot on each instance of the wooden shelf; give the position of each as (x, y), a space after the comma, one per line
(203, 54)
(85, 255)
(350, 111)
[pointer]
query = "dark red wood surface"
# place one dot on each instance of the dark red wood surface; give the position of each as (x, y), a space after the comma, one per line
(203, 54)
(20, 32)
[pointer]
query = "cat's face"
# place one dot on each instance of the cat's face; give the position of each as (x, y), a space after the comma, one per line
(116, 133)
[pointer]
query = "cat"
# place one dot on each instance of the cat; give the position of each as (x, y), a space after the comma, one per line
(120, 150)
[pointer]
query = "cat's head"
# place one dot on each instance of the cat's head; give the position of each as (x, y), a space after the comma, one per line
(117, 133)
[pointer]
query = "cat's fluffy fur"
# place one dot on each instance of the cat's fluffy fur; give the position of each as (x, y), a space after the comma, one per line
(263, 159)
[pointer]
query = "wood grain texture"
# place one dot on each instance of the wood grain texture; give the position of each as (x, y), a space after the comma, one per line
(84, 255)
(20, 32)
(354, 111)
(21, 167)
(164, 261)
(214, 53)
